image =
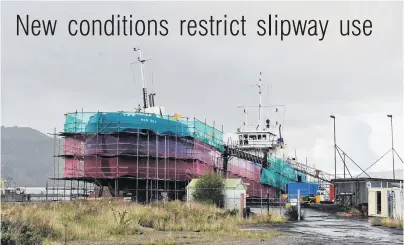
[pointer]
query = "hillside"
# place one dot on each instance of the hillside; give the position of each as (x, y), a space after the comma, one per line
(27, 156)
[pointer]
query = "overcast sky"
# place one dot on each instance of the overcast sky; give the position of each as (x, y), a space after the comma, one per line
(358, 79)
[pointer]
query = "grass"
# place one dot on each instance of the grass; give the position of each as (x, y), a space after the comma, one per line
(292, 214)
(387, 222)
(117, 221)
(392, 223)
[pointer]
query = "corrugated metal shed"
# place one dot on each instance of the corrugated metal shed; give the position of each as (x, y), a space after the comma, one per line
(354, 191)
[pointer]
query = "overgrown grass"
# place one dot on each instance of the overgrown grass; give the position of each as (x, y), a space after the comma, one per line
(115, 220)
(392, 223)
(386, 222)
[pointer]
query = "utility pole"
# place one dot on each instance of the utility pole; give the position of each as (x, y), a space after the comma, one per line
(392, 143)
(344, 164)
(335, 150)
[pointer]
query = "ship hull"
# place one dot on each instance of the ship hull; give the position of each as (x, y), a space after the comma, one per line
(153, 157)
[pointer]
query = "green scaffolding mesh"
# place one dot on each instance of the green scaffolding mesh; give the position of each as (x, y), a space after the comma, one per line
(280, 173)
(205, 133)
(97, 122)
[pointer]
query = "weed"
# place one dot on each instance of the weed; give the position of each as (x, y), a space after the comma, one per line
(22, 233)
(122, 222)
(292, 214)
(392, 223)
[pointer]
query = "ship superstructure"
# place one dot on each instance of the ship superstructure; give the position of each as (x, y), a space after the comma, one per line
(258, 137)
(263, 141)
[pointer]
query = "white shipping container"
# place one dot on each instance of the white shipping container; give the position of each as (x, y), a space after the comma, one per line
(378, 202)
(386, 202)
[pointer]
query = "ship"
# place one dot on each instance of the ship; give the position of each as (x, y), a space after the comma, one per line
(148, 155)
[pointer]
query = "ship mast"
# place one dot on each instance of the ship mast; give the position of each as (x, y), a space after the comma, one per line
(142, 61)
(246, 116)
(259, 85)
(260, 137)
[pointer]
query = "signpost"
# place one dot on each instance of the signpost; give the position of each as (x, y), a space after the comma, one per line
(298, 205)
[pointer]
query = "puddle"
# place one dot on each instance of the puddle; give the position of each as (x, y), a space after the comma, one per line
(340, 230)
(352, 230)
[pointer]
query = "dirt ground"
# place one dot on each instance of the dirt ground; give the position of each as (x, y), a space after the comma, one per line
(317, 228)
(267, 236)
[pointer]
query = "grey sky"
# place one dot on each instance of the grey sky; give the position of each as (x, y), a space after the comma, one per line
(358, 79)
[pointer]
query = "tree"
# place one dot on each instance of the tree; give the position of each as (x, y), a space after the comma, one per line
(210, 189)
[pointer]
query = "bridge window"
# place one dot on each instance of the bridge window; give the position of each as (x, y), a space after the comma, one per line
(264, 137)
(245, 141)
(259, 137)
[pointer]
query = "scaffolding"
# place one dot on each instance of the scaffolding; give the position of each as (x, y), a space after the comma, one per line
(278, 171)
(148, 156)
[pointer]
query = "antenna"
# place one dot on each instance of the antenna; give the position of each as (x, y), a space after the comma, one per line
(246, 116)
(152, 81)
(259, 85)
(142, 61)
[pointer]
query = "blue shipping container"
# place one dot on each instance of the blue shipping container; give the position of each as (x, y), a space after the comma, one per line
(305, 189)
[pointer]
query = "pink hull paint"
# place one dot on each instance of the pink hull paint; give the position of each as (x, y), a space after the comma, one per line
(192, 159)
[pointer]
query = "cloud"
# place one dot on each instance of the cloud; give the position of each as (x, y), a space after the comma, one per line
(358, 79)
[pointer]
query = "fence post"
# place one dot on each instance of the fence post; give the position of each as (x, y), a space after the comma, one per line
(261, 201)
(46, 191)
(241, 204)
(298, 205)
(280, 203)
(268, 203)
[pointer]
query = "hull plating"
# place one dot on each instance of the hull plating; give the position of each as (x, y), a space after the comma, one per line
(153, 157)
